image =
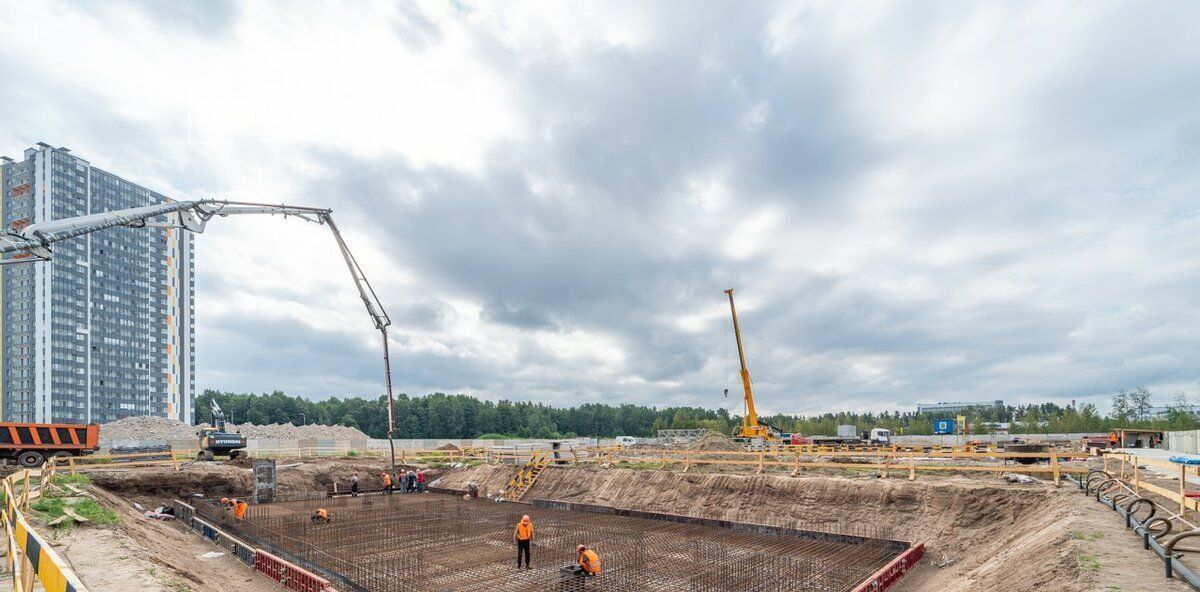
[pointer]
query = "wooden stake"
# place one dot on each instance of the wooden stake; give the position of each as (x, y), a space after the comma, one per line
(912, 468)
(1182, 492)
(1054, 466)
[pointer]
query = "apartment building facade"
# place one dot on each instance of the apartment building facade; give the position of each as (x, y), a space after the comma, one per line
(105, 329)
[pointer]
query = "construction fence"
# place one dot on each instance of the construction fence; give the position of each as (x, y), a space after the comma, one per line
(29, 556)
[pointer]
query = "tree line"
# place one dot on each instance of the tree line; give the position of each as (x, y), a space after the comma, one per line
(460, 416)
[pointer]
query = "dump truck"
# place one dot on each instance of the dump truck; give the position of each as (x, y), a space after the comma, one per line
(30, 444)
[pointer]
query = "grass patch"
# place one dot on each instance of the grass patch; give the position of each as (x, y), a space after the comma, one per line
(1088, 562)
(76, 479)
(352, 453)
(176, 585)
(93, 511)
(51, 507)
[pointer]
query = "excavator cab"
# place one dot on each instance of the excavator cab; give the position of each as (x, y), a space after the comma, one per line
(215, 441)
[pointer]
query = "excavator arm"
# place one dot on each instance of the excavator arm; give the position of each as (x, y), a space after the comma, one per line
(34, 243)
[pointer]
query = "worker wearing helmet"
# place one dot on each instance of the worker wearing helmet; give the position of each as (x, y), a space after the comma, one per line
(589, 562)
(240, 511)
(224, 502)
(387, 482)
(524, 536)
(321, 515)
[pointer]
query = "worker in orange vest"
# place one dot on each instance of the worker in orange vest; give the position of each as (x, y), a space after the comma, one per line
(524, 536)
(589, 562)
(387, 483)
(1112, 440)
(240, 512)
(321, 515)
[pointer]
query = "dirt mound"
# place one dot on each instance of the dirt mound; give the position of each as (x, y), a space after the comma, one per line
(220, 479)
(289, 431)
(161, 428)
(448, 447)
(147, 428)
(713, 441)
(489, 478)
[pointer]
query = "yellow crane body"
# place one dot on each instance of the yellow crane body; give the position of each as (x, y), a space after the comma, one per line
(751, 428)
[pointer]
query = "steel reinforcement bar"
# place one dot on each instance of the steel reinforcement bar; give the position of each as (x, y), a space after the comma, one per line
(407, 543)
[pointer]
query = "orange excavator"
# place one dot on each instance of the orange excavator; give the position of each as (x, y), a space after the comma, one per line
(752, 428)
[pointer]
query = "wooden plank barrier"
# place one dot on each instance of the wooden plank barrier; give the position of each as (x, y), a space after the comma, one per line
(29, 555)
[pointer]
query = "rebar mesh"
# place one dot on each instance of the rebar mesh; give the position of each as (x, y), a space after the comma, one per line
(435, 543)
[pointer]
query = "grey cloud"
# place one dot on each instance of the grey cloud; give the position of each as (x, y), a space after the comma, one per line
(1030, 242)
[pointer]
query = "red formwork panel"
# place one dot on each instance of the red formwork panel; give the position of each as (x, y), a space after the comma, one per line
(289, 575)
(893, 571)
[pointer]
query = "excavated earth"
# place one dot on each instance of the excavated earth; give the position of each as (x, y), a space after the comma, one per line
(981, 534)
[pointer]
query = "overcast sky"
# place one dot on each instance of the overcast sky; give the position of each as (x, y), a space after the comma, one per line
(915, 201)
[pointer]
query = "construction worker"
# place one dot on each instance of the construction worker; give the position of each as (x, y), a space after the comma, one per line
(421, 481)
(387, 483)
(240, 512)
(354, 484)
(321, 515)
(224, 503)
(1113, 442)
(589, 562)
(524, 536)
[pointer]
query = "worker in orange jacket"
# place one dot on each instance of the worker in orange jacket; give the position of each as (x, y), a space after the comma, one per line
(524, 536)
(387, 483)
(589, 562)
(1113, 442)
(321, 515)
(240, 511)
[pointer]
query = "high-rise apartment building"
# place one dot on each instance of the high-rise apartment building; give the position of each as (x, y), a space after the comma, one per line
(105, 329)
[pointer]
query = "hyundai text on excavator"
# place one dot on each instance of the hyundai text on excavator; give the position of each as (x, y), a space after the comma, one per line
(753, 431)
(215, 441)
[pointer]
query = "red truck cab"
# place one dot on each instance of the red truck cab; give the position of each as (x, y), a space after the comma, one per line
(30, 444)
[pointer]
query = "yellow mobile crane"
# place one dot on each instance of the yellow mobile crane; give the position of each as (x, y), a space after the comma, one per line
(751, 426)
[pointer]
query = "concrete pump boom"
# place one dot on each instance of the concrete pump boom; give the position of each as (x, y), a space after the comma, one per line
(33, 243)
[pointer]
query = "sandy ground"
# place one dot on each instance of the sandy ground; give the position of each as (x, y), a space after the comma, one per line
(143, 554)
(989, 535)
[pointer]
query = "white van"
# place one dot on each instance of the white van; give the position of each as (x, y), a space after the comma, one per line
(625, 440)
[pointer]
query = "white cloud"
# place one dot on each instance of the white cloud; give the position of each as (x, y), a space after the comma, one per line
(969, 201)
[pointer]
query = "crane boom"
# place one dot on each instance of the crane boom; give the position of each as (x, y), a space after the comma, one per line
(33, 243)
(751, 427)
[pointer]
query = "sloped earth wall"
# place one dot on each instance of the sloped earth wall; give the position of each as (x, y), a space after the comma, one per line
(989, 536)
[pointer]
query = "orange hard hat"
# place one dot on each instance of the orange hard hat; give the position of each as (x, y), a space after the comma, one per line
(525, 518)
(224, 500)
(580, 549)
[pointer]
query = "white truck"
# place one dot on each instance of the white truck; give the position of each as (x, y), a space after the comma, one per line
(849, 434)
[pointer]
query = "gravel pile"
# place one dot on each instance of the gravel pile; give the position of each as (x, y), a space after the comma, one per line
(288, 431)
(161, 428)
(147, 428)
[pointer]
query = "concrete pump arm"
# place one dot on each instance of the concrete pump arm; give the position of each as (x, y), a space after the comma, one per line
(32, 243)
